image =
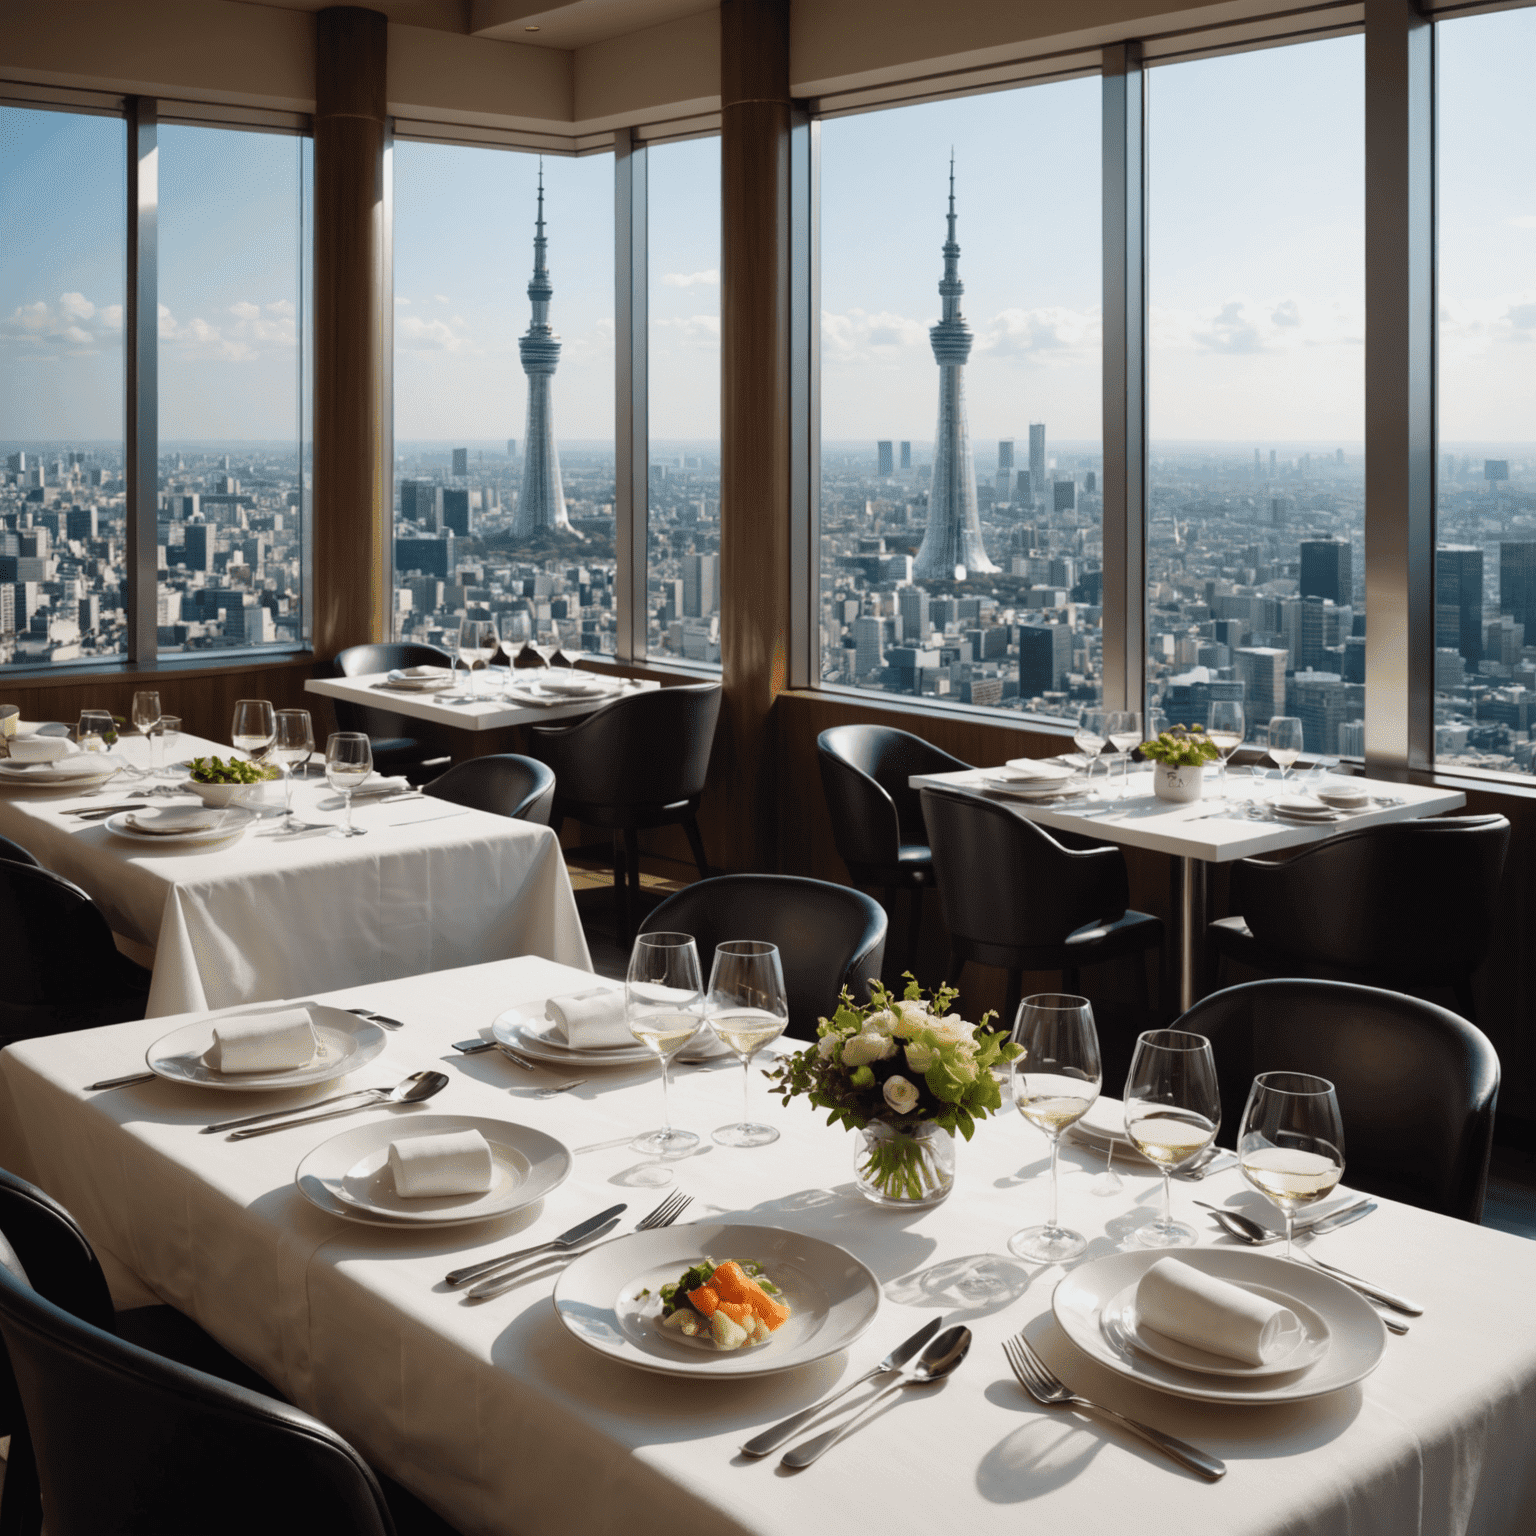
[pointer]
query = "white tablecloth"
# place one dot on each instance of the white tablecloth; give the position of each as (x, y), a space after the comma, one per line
(431, 886)
(505, 1423)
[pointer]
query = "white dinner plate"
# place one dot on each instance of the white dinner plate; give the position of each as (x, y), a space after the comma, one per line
(581, 688)
(346, 1043)
(526, 1029)
(1037, 789)
(1301, 1343)
(101, 767)
(352, 1171)
(236, 820)
(1357, 1334)
(600, 1298)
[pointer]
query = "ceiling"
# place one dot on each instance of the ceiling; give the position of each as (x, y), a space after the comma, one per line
(561, 24)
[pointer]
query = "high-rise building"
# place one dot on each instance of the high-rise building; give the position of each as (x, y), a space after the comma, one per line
(461, 462)
(906, 455)
(542, 505)
(1005, 453)
(887, 464)
(701, 585)
(1003, 483)
(1327, 570)
(1037, 458)
(1459, 601)
(868, 644)
(1261, 670)
(953, 540)
(511, 447)
(457, 517)
(1045, 658)
(198, 547)
(1065, 495)
(1517, 584)
(912, 605)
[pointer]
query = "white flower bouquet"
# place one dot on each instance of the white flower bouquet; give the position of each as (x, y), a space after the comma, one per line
(907, 1064)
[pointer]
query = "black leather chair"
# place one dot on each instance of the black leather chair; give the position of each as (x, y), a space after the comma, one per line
(503, 784)
(399, 744)
(16, 854)
(1417, 1084)
(1022, 898)
(62, 971)
(638, 762)
(1406, 906)
(877, 821)
(828, 936)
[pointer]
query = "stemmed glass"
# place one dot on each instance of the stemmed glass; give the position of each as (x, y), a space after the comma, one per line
(1285, 742)
(1290, 1144)
(546, 642)
(96, 731)
(1090, 737)
(747, 1007)
(254, 728)
(294, 742)
(664, 1006)
(1226, 727)
(1055, 1082)
(477, 642)
(348, 762)
(1172, 1114)
(1123, 727)
(146, 715)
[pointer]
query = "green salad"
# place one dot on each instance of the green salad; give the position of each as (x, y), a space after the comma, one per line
(214, 770)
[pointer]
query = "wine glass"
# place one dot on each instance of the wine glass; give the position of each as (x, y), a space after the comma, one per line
(169, 732)
(1123, 727)
(254, 727)
(348, 762)
(747, 1007)
(664, 1006)
(1290, 1144)
(96, 731)
(146, 715)
(292, 745)
(477, 642)
(1055, 1082)
(1226, 727)
(1285, 742)
(1172, 1114)
(546, 642)
(1089, 738)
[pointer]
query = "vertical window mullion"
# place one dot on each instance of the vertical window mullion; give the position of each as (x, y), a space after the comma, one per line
(805, 403)
(632, 414)
(141, 382)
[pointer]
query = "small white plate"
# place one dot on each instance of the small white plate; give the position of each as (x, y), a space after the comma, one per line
(832, 1298)
(582, 688)
(102, 766)
(236, 820)
(1034, 789)
(526, 1029)
(346, 1043)
(352, 1169)
(1302, 1344)
(1357, 1334)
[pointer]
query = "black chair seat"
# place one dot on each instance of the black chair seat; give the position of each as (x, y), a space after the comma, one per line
(503, 784)
(400, 744)
(14, 853)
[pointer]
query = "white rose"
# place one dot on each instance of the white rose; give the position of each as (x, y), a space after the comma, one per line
(913, 1019)
(920, 1057)
(882, 1023)
(901, 1095)
(826, 1046)
(952, 1030)
(867, 1046)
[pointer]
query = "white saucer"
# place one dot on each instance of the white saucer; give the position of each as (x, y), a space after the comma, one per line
(236, 820)
(1302, 1343)
(346, 1041)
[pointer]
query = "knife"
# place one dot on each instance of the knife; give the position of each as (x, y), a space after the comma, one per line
(98, 812)
(497, 1285)
(760, 1445)
(565, 1240)
(1338, 1219)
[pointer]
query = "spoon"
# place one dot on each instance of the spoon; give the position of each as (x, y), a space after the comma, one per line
(416, 1088)
(379, 1095)
(934, 1364)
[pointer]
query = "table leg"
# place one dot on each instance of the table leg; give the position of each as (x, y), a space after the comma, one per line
(1189, 919)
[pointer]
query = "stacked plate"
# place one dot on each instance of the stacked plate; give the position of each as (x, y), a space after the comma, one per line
(1338, 1338)
(181, 828)
(1344, 796)
(418, 680)
(526, 1030)
(1302, 809)
(345, 1042)
(80, 770)
(563, 690)
(1032, 780)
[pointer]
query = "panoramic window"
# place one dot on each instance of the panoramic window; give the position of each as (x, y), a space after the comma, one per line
(1485, 500)
(1255, 523)
(234, 471)
(504, 360)
(683, 528)
(961, 400)
(62, 500)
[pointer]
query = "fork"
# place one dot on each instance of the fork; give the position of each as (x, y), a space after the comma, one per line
(1051, 1392)
(663, 1216)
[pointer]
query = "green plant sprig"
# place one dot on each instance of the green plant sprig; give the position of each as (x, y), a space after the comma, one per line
(1181, 747)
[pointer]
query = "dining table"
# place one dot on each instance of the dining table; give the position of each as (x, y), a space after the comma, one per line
(285, 905)
(1225, 824)
(506, 1419)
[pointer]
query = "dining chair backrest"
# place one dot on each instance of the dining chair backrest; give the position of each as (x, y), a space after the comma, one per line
(1417, 1084)
(864, 774)
(1006, 883)
(130, 1443)
(828, 936)
(503, 784)
(14, 853)
(1414, 902)
(364, 661)
(648, 748)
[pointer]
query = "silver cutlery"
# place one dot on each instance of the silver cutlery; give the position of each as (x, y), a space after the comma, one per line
(421, 821)
(98, 812)
(414, 1090)
(772, 1439)
(295, 1109)
(1256, 1233)
(663, 1216)
(1218, 1162)
(549, 1090)
(121, 1082)
(1050, 1391)
(934, 1364)
(511, 1055)
(375, 1018)
(579, 1233)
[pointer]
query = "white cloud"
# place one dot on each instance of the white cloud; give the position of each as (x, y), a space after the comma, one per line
(693, 332)
(709, 279)
(1244, 326)
(282, 308)
(72, 325)
(426, 335)
(1051, 333)
(442, 298)
(245, 310)
(400, 298)
(861, 336)
(76, 306)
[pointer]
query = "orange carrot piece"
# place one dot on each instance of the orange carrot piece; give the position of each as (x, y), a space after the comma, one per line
(732, 1283)
(739, 1312)
(705, 1300)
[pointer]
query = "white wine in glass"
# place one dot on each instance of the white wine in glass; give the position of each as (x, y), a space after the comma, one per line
(1285, 742)
(747, 1007)
(664, 1007)
(1290, 1145)
(1172, 1114)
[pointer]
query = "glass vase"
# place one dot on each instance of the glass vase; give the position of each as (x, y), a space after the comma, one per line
(907, 1168)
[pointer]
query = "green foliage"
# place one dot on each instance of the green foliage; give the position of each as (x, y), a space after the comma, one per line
(1181, 747)
(214, 770)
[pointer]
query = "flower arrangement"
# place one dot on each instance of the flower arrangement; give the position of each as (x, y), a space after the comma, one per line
(910, 1066)
(1181, 747)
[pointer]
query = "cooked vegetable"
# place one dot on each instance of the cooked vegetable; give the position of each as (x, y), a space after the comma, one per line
(735, 1303)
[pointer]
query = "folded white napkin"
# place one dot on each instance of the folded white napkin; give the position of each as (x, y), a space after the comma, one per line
(1034, 768)
(589, 1020)
(1211, 1314)
(78, 764)
(41, 749)
(174, 823)
(379, 785)
(455, 1163)
(262, 1042)
(421, 672)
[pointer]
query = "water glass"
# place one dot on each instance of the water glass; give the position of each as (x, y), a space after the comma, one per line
(664, 1007)
(747, 1007)
(1285, 742)
(1172, 1114)
(1055, 1082)
(169, 732)
(146, 716)
(348, 762)
(1290, 1144)
(96, 732)
(1123, 727)
(1091, 736)
(293, 744)
(254, 727)
(1226, 726)
(477, 643)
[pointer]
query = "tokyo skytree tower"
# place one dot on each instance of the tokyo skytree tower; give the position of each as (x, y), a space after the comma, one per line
(953, 538)
(542, 505)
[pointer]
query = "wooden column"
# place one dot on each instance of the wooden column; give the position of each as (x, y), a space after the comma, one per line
(353, 494)
(754, 417)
